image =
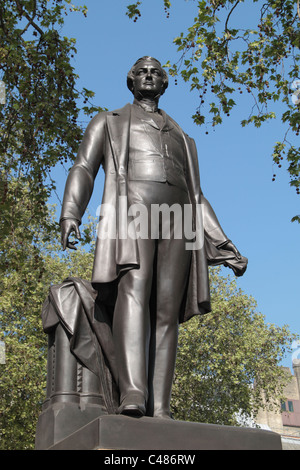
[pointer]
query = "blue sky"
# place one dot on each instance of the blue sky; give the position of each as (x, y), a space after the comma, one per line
(235, 163)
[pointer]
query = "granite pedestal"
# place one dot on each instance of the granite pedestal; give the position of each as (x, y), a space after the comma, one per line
(116, 432)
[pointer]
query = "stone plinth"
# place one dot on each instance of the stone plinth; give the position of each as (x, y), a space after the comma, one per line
(115, 432)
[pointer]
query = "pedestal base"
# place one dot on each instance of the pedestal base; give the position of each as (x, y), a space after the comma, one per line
(61, 420)
(116, 432)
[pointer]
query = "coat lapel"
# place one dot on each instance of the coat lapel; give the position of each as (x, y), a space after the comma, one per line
(118, 131)
(168, 125)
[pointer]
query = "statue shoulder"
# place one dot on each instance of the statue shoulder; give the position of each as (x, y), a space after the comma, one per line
(120, 111)
(97, 121)
(101, 117)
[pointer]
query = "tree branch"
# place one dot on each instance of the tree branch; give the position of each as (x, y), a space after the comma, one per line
(229, 14)
(30, 20)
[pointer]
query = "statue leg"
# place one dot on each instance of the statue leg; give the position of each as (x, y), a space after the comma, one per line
(173, 263)
(131, 332)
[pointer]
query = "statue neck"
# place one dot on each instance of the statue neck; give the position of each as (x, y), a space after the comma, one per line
(149, 105)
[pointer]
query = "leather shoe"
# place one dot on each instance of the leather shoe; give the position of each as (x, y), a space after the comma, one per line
(132, 406)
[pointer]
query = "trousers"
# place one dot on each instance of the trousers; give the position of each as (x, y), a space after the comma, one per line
(146, 315)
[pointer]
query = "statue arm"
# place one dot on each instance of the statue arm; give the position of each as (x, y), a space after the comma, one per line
(80, 181)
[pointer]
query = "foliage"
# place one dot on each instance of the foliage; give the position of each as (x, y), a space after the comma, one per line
(39, 121)
(236, 46)
(222, 354)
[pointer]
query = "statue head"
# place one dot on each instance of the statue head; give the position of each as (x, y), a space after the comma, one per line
(148, 66)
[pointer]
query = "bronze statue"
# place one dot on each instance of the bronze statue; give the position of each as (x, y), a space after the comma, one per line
(155, 281)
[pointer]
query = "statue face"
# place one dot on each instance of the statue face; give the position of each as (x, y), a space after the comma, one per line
(148, 79)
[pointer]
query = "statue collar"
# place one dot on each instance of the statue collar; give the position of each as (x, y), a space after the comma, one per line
(149, 107)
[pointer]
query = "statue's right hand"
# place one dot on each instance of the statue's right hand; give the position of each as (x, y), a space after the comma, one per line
(67, 226)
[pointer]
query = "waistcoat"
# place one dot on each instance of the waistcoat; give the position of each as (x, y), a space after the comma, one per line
(156, 153)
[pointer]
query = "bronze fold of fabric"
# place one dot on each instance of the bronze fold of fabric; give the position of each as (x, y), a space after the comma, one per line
(216, 256)
(73, 303)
